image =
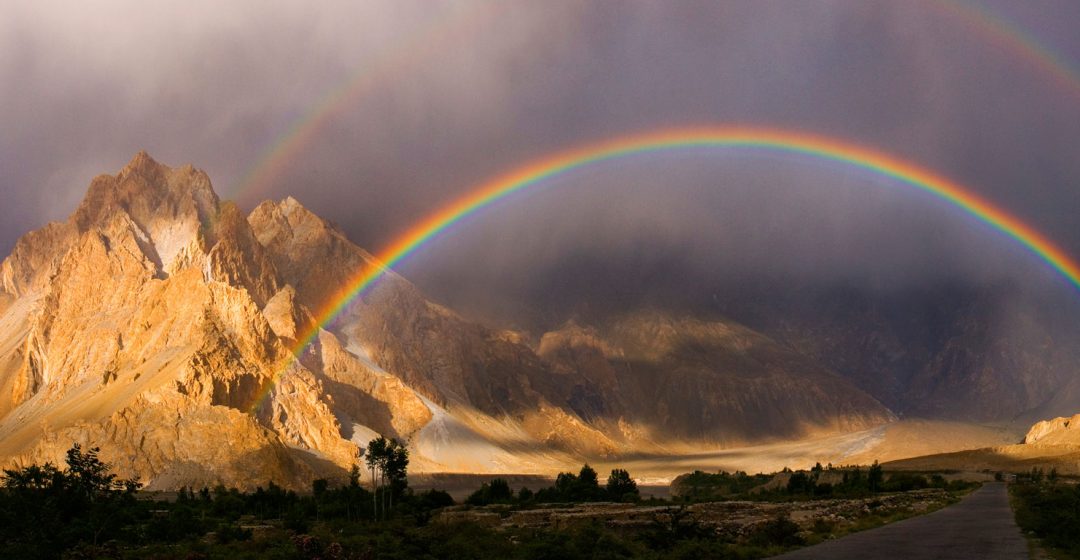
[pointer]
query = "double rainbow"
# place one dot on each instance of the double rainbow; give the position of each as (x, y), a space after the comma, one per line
(775, 140)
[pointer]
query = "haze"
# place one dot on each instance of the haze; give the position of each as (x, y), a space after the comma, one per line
(462, 91)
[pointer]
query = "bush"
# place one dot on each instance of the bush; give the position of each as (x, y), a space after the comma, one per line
(228, 532)
(525, 495)
(823, 526)
(1051, 511)
(296, 522)
(434, 499)
(700, 485)
(906, 482)
(779, 531)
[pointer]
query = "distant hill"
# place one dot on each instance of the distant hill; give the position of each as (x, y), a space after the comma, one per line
(1051, 444)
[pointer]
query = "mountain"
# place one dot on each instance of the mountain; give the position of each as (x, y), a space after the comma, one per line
(704, 382)
(157, 322)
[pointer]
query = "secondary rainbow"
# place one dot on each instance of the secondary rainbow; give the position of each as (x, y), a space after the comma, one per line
(771, 139)
(461, 23)
(453, 24)
(1012, 37)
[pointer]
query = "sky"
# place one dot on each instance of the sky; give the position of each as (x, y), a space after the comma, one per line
(448, 94)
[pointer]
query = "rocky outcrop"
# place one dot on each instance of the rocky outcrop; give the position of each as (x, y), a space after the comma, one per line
(1057, 431)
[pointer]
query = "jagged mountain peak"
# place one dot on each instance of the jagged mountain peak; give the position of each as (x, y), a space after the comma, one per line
(147, 190)
(144, 165)
(310, 252)
(171, 207)
(289, 217)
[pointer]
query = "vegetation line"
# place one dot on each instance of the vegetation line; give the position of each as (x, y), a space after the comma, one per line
(1047, 509)
(84, 511)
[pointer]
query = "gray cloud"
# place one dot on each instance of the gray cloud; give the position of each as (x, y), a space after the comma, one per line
(462, 91)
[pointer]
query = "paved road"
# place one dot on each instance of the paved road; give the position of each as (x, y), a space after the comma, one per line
(980, 527)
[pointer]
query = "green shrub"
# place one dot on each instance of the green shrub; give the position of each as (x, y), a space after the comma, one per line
(1052, 512)
(228, 532)
(779, 531)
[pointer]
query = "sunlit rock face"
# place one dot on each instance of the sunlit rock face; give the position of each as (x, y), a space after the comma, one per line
(1056, 431)
(160, 324)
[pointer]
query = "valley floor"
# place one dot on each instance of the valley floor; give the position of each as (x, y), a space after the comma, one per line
(889, 442)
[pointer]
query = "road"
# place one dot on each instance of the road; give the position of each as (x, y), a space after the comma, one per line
(979, 527)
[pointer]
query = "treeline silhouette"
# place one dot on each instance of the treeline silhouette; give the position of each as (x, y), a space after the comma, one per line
(83, 511)
(568, 487)
(45, 510)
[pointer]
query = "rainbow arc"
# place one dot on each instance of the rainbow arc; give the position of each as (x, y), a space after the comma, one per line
(535, 173)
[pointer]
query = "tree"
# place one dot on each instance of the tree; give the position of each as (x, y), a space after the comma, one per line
(495, 492)
(588, 477)
(88, 475)
(799, 483)
(582, 487)
(875, 478)
(854, 478)
(389, 463)
(34, 477)
(376, 451)
(397, 467)
(524, 495)
(620, 487)
(565, 485)
(48, 508)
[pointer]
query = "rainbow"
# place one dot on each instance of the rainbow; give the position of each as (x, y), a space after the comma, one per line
(775, 140)
(443, 30)
(1012, 37)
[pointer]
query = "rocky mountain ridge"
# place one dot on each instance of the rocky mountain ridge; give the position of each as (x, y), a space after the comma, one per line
(158, 322)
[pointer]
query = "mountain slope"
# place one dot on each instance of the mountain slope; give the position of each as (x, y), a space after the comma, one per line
(953, 352)
(707, 382)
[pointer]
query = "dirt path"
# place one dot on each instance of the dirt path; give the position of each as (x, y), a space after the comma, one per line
(980, 527)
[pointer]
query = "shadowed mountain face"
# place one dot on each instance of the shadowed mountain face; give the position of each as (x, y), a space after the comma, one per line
(950, 352)
(154, 320)
(701, 380)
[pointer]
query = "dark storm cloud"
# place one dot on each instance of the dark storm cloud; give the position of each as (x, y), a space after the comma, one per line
(85, 86)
